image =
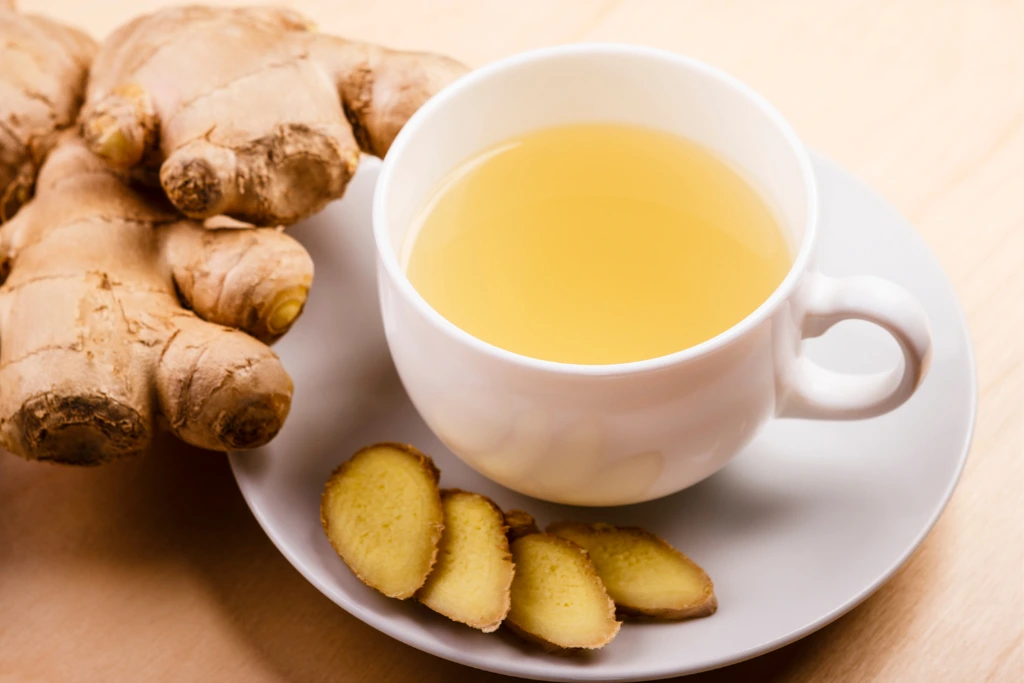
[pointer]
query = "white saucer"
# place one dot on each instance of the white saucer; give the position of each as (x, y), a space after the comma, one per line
(801, 527)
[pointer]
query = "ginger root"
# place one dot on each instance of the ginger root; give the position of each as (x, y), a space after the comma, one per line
(248, 111)
(558, 599)
(382, 513)
(117, 315)
(645, 576)
(41, 88)
(470, 582)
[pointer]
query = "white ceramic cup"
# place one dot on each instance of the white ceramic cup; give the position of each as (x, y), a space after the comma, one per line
(630, 432)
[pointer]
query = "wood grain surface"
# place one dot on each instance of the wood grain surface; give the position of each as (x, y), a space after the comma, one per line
(154, 569)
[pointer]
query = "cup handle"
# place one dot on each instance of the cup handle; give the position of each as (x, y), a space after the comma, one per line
(818, 393)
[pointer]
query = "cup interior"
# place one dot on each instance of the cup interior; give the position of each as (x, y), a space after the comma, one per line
(598, 83)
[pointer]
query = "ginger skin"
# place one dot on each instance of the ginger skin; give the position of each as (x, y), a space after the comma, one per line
(41, 88)
(117, 316)
(249, 112)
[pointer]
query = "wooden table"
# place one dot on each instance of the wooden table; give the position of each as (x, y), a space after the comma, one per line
(154, 569)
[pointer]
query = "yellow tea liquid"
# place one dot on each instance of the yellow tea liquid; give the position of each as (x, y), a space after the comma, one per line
(595, 244)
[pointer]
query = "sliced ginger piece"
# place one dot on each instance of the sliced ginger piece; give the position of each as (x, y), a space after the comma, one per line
(470, 582)
(520, 523)
(558, 599)
(381, 510)
(644, 575)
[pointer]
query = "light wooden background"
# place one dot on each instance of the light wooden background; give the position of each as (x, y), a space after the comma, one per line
(155, 570)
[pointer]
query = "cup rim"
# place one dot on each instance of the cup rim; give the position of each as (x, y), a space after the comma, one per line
(392, 268)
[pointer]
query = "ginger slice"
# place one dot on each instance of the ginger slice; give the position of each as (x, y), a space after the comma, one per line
(381, 510)
(558, 599)
(644, 575)
(520, 523)
(471, 580)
